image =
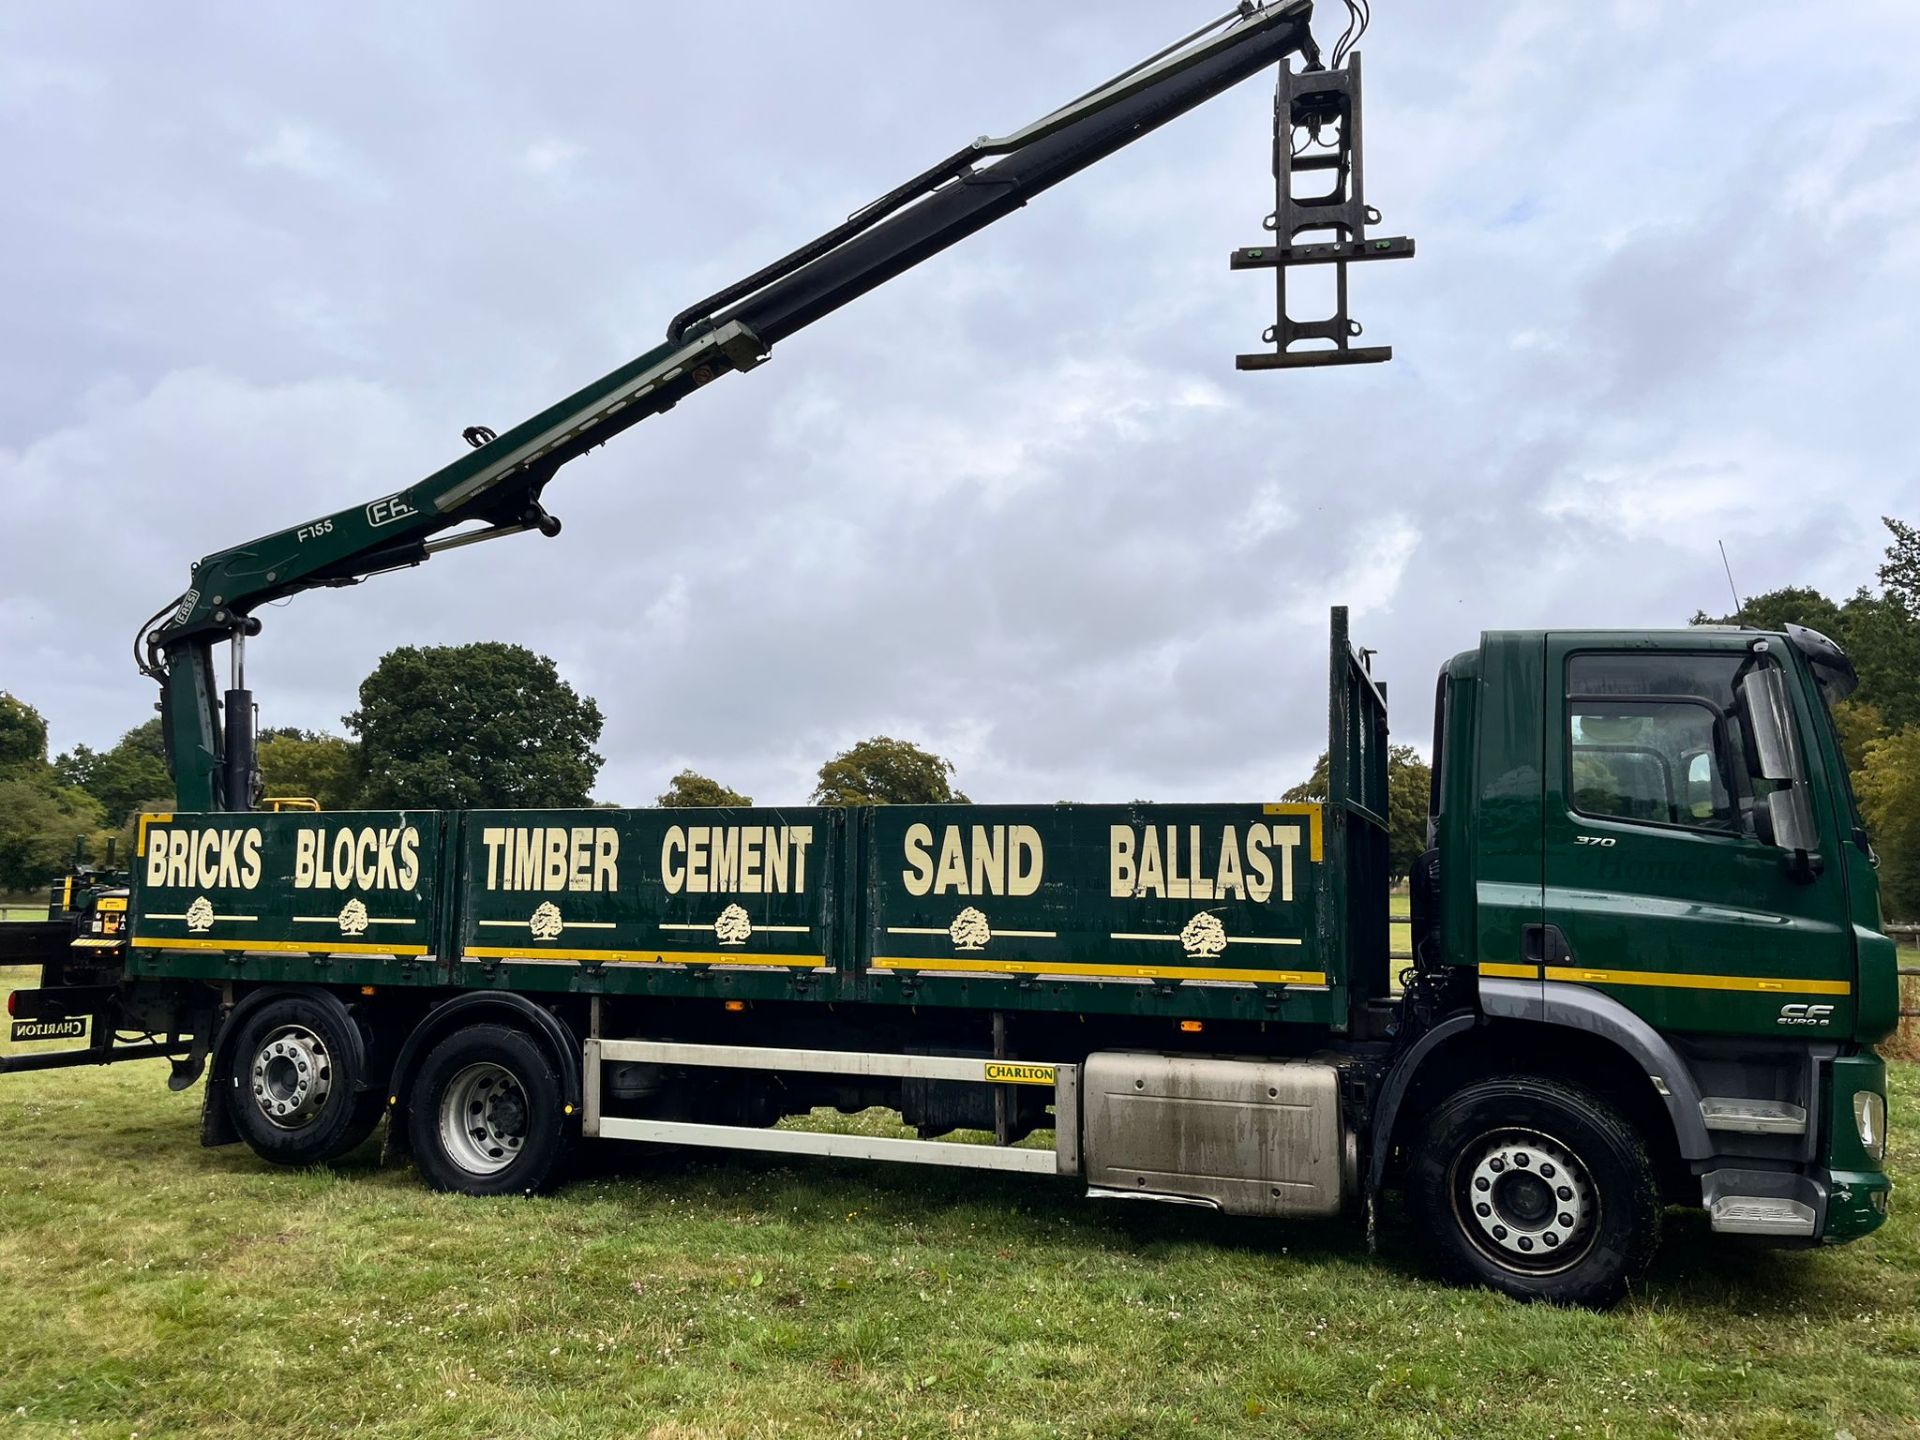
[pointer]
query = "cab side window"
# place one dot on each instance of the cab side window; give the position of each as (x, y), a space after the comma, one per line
(1655, 739)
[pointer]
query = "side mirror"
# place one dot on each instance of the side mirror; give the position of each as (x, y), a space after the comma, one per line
(1776, 746)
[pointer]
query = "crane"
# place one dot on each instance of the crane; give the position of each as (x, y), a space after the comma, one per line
(496, 490)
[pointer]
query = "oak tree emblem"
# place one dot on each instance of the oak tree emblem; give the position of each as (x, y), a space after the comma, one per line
(546, 923)
(353, 918)
(969, 930)
(200, 915)
(1204, 936)
(733, 927)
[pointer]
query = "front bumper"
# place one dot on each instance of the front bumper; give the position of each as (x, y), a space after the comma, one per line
(1856, 1204)
(1858, 1190)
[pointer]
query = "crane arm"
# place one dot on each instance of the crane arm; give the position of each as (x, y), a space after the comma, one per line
(496, 490)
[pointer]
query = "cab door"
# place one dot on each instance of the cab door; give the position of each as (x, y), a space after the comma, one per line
(1664, 888)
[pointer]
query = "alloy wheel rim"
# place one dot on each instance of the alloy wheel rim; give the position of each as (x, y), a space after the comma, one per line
(1526, 1200)
(483, 1118)
(291, 1077)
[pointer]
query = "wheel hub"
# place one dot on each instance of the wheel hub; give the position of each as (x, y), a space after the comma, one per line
(1528, 1200)
(291, 1077)
(483, 1118)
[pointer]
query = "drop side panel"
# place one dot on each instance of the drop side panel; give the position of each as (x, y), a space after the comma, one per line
(1201, 910)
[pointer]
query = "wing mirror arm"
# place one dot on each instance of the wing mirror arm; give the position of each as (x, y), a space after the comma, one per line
(1803, 867)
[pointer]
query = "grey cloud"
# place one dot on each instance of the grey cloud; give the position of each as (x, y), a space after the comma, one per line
(1017, 503)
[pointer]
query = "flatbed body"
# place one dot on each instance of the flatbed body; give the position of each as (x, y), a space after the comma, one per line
(1177, 911)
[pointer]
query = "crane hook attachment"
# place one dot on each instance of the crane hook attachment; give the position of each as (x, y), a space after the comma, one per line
(1316, 130)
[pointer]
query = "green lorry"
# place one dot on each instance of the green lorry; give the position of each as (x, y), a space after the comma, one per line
(1649, 963)
(1649, 971)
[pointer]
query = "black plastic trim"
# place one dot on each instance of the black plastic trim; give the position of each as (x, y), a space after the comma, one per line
(1394, 1089)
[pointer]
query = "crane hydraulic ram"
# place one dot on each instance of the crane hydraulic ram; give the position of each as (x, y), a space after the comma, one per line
(496, 490)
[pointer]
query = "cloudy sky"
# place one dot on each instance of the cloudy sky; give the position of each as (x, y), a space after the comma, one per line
(264, 262)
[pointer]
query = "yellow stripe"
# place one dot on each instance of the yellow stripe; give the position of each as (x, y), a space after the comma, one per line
(1119, 972)
(153, 817)
(1314, 823)
(1509, 972)
(642, 957)
(1673, 980)
(288, 947)
(99, 944)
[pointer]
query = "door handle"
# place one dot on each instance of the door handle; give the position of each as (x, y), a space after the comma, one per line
(1545, 945)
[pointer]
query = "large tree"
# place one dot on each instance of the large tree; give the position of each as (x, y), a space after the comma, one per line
(1776, 609)
(467, 726)
(40, 818)
(40, 822)
(1409, 783)
(885, 771)
(310, 763)
(1889, 788)
(124, 778)
(691, 790)
(23, 737)
(1900, 571)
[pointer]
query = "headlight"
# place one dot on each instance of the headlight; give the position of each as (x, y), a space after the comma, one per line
(1870, 1118)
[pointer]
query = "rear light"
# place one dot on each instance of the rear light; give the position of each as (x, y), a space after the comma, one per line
(11, 994)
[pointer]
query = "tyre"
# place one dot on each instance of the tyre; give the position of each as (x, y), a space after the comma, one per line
(487, 1114)
(292, 1087)
(1536, 1188)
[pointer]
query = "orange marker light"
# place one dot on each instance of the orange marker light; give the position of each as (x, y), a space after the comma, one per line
(1190, 1027)
(734, 1007)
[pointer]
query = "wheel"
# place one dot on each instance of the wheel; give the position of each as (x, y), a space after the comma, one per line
(487, 1114)
(291, 1085)
(1536, 1188)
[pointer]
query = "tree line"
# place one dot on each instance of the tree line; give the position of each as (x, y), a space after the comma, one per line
(493, 725)
(487, 725)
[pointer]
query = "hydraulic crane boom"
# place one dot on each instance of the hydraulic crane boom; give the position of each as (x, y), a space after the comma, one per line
(496, 490)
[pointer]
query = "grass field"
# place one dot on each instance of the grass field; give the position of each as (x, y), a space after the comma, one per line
(157, 1288)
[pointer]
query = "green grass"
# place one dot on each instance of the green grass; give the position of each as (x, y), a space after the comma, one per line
(1400, 926)
(155, 1287)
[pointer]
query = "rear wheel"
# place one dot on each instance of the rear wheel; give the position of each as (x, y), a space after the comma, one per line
(292, 1083)
(487, 1115)
(1536, 1188)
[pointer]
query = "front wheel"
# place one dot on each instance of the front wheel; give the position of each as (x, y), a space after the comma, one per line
(1536, 1188)
(487, 1115)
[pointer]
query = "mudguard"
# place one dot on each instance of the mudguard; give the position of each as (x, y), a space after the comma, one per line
(472, 1009)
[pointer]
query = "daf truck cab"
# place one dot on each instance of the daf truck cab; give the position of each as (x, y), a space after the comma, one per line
(1648, 864)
